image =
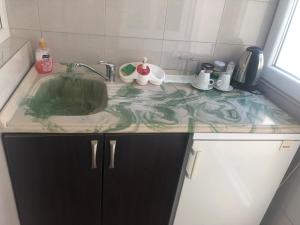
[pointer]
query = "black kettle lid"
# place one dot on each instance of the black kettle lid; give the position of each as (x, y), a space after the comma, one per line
(255, 49)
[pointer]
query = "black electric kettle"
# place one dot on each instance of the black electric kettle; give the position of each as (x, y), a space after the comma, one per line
(249, 69)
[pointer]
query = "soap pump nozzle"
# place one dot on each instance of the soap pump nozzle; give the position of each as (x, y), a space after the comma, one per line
(144, 65)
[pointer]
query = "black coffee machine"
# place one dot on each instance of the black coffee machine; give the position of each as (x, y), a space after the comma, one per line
(249, 69)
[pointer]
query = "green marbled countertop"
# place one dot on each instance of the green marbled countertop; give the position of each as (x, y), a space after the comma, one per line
(165, 108)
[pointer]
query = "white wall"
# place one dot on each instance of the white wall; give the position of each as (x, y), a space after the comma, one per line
(18, 60)
(126, 30)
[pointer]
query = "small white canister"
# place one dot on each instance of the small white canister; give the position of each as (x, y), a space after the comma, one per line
(143, 71)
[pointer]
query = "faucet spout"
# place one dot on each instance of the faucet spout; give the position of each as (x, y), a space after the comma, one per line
(77, 65)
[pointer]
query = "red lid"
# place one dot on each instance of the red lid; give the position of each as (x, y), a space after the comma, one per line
(143, 69)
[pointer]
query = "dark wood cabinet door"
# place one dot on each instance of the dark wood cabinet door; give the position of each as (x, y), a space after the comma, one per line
(140, 189)
(52, 178)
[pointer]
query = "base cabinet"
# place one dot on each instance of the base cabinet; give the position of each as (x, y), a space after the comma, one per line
(69, 180)
(52, 178)
(232, 182)
(141, 187)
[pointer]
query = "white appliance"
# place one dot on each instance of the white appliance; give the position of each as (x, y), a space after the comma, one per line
(232, 178)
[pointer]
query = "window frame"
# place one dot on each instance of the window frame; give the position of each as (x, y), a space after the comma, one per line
(285, 82)
(4, 32)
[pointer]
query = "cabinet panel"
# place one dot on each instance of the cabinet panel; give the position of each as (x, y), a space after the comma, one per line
(140, 189)
(52, 178)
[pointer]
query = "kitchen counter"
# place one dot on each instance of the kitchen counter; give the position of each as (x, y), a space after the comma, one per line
(147, 109)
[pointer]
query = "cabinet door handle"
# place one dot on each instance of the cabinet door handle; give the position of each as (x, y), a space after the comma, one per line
(113, 144)
(191, 167)
(94, 144)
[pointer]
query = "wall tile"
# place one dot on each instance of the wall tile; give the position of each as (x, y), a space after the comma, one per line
(127, 30)
(76, 47)
(270, 1)
(193, 20)
(227, 52)
(136, 18)
(174, 50)
(77, 16)
(246, 22)
(23, 14)
(124, 50)
(31, 35)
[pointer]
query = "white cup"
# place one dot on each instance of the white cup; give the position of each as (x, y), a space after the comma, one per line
(223, 81)
(203, 81)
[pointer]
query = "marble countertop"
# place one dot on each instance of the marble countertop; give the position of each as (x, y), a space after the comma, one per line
(147, 109)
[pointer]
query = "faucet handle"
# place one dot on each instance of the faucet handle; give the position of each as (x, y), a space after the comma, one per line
(110, 70)
(110, 65)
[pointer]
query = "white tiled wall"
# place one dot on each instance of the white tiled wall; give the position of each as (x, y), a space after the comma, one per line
(126, 30)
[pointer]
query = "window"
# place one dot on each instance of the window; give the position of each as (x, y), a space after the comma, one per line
(287, 59)
(282, 69)
(4, 31)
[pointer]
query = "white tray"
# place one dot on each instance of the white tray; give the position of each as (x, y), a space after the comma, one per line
(157, 74)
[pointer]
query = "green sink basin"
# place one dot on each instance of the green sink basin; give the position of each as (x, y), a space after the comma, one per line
(68, 96)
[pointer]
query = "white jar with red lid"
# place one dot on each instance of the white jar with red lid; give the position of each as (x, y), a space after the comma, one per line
(143, 71)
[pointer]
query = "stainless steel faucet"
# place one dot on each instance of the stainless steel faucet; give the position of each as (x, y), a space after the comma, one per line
(110, 70)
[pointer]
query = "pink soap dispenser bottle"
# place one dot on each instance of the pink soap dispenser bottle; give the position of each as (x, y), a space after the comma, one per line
(43, 60)
(143, 71)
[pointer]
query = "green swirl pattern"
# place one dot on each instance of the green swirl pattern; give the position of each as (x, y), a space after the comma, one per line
(181, 108)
